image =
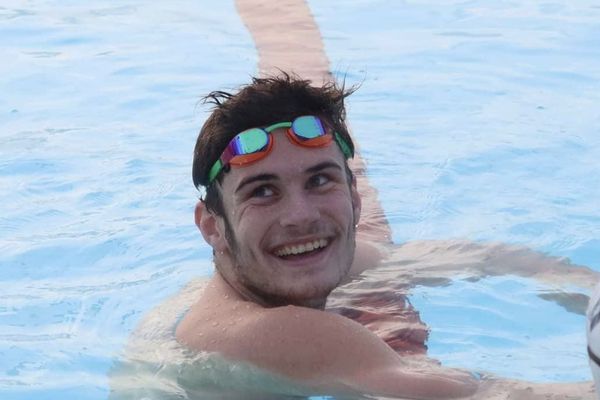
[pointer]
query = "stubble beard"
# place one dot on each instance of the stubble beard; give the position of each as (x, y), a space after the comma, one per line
(268, 298)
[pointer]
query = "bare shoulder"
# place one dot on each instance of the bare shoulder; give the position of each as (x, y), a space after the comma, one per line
(295, 341)
(158, 322)
(317, 348)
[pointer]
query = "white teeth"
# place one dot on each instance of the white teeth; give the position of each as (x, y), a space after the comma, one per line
(302, 248)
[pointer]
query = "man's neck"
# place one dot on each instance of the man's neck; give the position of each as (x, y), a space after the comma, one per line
(232, 288)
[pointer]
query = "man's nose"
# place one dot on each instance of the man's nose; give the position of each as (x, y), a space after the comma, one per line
(299, 210)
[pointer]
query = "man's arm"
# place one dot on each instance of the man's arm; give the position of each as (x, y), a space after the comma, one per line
(436, 262)
(423, 259)
(332, 353)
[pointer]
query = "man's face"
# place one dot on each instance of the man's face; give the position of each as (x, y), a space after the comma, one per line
(290, 221)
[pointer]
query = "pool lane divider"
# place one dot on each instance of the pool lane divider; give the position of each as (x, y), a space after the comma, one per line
(288, 39)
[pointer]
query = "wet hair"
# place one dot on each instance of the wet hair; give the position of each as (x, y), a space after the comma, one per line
(263, 102)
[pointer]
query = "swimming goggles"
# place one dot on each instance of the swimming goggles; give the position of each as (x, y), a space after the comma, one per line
(254, 144)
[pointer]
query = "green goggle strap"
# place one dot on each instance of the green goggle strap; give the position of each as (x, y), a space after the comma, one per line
(214, 171)
(343, 145)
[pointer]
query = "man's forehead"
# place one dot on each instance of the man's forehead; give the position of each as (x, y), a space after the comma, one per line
(284, 172)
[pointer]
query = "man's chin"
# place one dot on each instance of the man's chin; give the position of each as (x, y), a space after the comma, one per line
(311, 296)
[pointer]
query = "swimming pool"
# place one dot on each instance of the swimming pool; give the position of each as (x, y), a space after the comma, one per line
(485, 112)
(486, 124)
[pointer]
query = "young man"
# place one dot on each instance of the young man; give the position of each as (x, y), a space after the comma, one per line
(280, 212)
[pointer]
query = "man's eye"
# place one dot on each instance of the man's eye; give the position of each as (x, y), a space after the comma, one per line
(262, 191)
(318, 180)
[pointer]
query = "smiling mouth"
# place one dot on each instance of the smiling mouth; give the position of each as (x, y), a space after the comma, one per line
(302, 249)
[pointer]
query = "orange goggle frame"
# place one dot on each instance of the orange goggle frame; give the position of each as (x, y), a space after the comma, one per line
(254, 144)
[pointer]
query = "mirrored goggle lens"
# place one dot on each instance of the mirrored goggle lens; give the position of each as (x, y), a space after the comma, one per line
(249, 141)
(308, 127)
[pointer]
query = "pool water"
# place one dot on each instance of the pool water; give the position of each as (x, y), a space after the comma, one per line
(478, 120)
(486, 127)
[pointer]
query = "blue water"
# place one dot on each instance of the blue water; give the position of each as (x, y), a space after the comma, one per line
(99, 114)
(486, 127)
(485, 112)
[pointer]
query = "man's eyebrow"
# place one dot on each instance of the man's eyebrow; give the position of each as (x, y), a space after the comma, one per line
(322, 166)
(255, 178)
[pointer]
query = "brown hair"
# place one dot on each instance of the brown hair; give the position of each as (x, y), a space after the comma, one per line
(263, 102)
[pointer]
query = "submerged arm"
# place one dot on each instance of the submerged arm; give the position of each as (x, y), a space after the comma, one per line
(451, 258)
(328, 352)
(435, 262)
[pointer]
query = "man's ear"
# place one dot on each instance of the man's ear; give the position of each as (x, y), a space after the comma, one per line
(356, 200)
(211, 227)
